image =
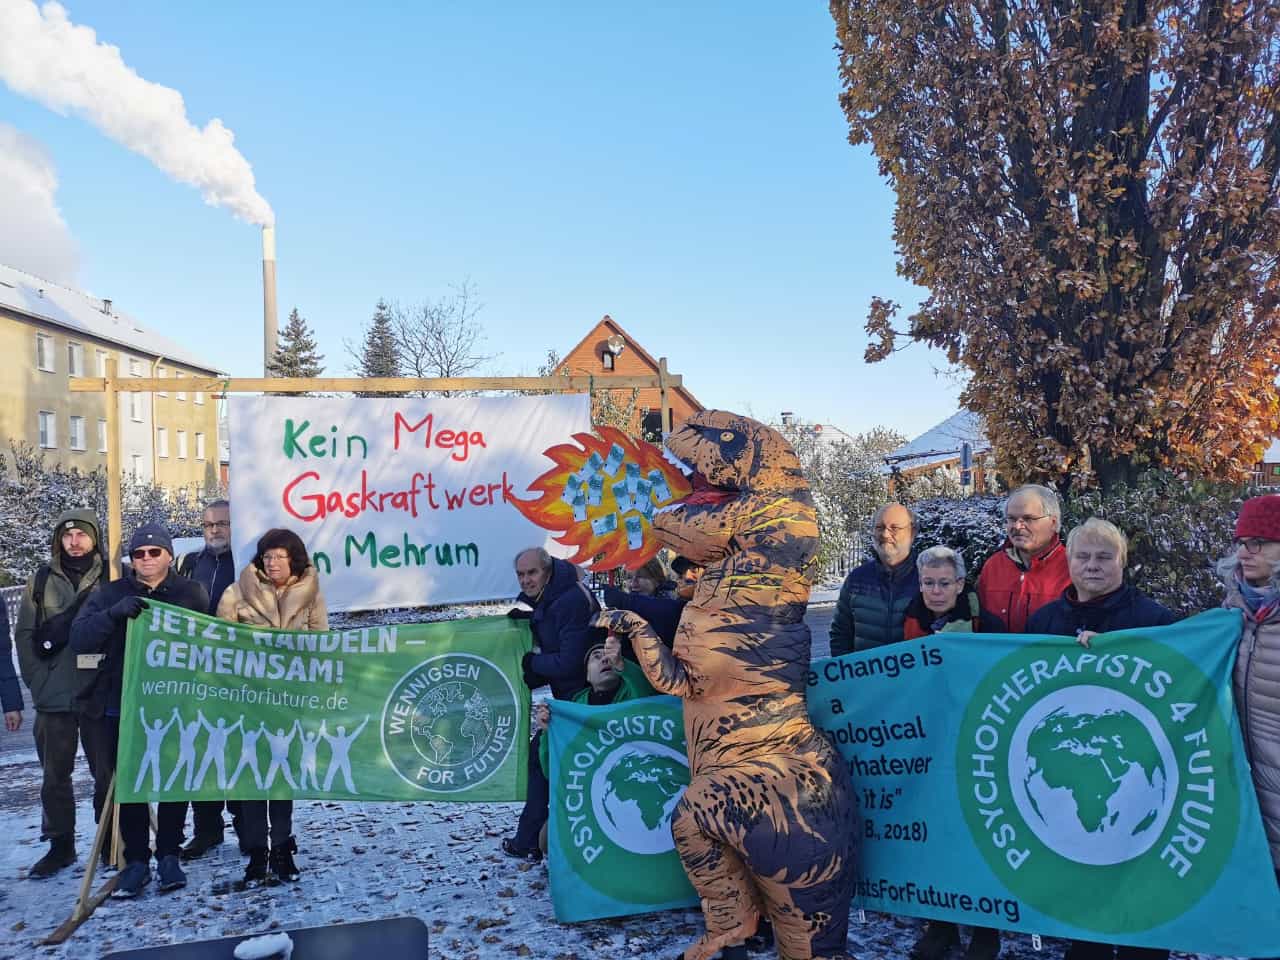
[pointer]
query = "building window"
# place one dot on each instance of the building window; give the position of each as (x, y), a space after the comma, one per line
(135, 407)
(163, 374)
(199, 446)
(198, 396)
(75, 359)
(44, 352)
(135, 367)
(48, 430)
(607, 359)
(162, 442)
(102, 436)
(182, 444)
(102, 363)
(181, 394)
(76, 435)
(136, 464)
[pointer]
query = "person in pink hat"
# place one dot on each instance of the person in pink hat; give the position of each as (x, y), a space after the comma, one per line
(1252, 577)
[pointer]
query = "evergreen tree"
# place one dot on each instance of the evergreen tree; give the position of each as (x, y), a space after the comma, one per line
(379, 355)
(297, 354)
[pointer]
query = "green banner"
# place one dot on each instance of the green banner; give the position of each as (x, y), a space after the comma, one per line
(1028, 783)
(216, 710)
(617, 773)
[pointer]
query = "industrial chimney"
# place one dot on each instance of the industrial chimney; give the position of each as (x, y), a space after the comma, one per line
(268, 295)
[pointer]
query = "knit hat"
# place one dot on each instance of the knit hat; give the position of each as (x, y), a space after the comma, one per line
(1260, 517)
(598, 645)
(84, 526)
(151, 535)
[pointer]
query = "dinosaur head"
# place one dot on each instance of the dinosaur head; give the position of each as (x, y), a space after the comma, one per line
(730, 454)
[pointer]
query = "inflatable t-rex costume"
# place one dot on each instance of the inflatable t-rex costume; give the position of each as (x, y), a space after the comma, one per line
(766, 823)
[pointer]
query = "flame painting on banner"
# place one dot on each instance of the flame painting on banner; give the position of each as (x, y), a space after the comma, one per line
(602, 494)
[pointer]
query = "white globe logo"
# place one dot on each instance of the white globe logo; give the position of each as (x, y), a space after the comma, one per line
(633, 792)
(1093, 774)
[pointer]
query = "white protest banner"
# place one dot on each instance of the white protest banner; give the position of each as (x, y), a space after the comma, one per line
(400, 501)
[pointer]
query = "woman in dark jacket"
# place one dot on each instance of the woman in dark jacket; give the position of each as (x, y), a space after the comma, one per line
(1099, 601)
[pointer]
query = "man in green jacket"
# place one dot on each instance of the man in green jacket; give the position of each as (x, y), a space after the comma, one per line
(56, 676)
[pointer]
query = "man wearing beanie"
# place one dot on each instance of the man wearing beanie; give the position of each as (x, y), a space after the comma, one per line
(53, 596)
(100, 628)
(610, 679)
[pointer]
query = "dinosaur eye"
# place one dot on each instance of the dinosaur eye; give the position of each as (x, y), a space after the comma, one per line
(726, 436)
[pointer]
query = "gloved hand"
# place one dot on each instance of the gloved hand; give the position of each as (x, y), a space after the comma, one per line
(127, 608)
(519, 613)
(531, 679)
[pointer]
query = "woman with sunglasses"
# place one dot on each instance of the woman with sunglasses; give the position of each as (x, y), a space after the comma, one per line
(1251, 574)
(280, 589)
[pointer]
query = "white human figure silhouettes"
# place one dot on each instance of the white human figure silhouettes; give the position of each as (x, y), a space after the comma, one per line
(215, 751)
(187, 733)
(155, 737)
(279, 744)
(248, 754)
(340, 743)
(308, 766)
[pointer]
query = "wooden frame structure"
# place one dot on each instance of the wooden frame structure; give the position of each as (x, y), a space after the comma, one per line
(113, 385)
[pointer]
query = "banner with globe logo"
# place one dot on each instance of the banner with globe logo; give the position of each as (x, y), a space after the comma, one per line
(617, 773)
(1100, 794)
(215, 710)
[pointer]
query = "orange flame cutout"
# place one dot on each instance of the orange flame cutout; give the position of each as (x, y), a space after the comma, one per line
(600, 531)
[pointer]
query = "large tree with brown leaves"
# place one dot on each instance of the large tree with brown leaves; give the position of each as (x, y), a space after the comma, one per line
(1087, 191)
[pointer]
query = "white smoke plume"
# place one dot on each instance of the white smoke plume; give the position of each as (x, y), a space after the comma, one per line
(34, 238)
(62, 65)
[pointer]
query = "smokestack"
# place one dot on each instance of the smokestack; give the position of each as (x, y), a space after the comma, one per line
(268, 295)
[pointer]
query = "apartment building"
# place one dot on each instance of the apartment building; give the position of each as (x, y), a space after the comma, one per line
(49, 334)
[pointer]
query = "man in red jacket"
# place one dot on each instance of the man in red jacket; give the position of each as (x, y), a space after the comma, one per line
(1030, 570)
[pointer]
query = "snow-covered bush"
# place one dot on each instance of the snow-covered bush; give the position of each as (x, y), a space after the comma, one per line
(972, 526)
(1177, 528)
(33, 493)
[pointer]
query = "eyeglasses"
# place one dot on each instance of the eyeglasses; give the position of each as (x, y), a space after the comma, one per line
(1250, 544)
(216, 524)
(938, 584)
(275, 558)
(1025, 521)
(149, 553)
(895, 529)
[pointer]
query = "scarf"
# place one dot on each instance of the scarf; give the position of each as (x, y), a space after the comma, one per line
(1260, 601)
(75, 567)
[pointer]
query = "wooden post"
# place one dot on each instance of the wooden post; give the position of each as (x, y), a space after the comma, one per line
(114, 519)
(663, 376)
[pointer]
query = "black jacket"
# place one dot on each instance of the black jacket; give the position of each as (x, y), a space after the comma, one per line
(662, 613)
(213, 571)
(95, 630)
(10, 691)
(1126, 609)
(561, 624)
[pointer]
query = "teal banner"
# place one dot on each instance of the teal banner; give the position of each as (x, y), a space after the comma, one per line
(213, 710)
(617, 773)
(1027, 783)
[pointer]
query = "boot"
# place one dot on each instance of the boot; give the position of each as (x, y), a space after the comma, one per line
(200, 844)
(984, 944)
(62, 853)
(256, 872)
(939, 938)
(281, 861)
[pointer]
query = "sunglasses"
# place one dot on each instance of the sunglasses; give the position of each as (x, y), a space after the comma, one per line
(149, 553)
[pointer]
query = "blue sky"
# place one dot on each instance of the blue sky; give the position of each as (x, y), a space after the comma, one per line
(681, 167)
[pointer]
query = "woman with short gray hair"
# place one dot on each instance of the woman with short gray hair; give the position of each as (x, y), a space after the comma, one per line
(943, 605)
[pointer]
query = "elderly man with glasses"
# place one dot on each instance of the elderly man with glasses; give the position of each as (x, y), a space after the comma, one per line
(873, 600)
(1030, 569)
(100, 627)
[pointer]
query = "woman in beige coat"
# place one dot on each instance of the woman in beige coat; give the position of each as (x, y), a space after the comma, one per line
(1252, 578)
(281, 589)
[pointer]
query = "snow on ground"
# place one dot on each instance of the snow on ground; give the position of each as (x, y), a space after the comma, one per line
(364, 861)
